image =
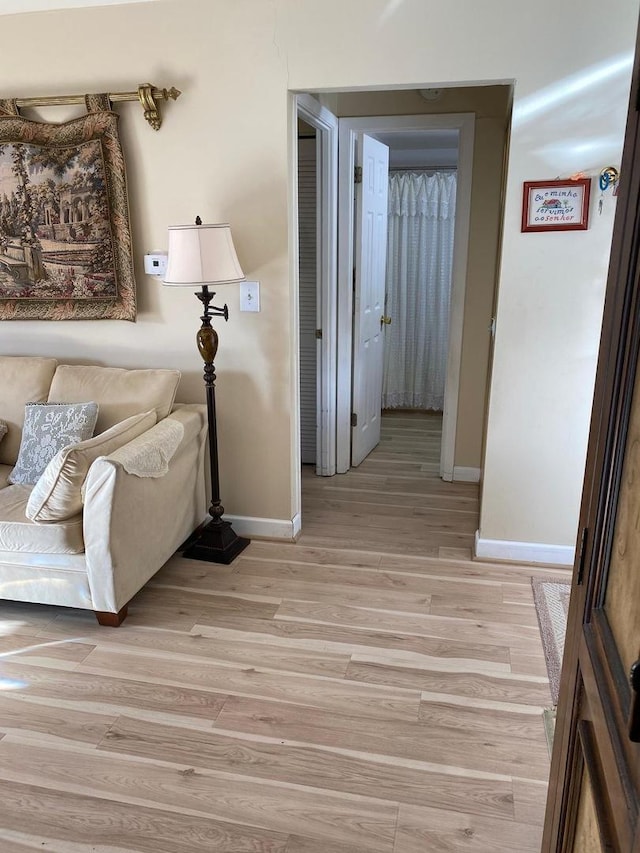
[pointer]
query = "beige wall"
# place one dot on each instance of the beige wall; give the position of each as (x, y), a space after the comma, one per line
(491, 106)
(224, 151)
(482, 276)
(209, 158)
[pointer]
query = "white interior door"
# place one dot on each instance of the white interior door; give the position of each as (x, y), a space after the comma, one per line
(370, 259)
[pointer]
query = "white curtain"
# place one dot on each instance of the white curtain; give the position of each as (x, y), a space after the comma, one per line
(419, 261)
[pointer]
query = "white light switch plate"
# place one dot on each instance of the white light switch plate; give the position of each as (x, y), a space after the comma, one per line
(249, 295)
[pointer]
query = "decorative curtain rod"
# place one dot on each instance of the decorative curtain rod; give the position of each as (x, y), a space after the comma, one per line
(423, 168)
(147, 94)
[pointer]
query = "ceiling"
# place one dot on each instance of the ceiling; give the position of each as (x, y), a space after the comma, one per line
(14, 7)
(425, 149)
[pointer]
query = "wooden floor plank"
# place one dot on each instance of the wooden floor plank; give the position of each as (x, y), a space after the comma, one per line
(331, 694)
(420, 541)
(504, 687)
(55, 817)
(43, 722)
(56, 653)
(196, 646)
(441, 502)
(177, 788)
(303, 590)
(267, 550)
(437, 831)
(299, 844)
(477, 571)
(314, 766)
(446, 628)
(482, 718)
(10, 844)
(362, 579)
(529, 801)
(454, 606)
(528, 664)
(442, 579)
(384, 644)
(17, 617)
(112, 695)
(465, 749)
(399, 519)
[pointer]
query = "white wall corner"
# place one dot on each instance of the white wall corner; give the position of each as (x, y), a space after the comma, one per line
(466, 475)
(266, 528)
(523, 552)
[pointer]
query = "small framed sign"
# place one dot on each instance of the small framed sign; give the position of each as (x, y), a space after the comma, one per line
(556, 205)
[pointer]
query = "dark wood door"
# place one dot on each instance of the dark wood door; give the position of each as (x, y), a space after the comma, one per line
(594, 793)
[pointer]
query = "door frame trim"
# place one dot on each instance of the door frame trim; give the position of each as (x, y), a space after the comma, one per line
(348, 129)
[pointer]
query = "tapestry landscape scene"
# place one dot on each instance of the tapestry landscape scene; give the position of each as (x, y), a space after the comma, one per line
(55, 236)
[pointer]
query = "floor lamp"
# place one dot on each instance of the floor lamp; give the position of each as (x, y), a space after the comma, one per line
(205, 255)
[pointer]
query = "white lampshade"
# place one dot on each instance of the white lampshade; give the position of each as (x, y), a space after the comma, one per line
(202, 254)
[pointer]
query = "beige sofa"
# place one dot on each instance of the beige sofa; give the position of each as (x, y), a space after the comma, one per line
(133, 506)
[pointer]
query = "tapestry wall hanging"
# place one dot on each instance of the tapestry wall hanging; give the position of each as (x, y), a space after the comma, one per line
(65, 236)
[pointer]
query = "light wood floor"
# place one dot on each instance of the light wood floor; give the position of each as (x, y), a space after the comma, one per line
(308, 699)
(395, 500)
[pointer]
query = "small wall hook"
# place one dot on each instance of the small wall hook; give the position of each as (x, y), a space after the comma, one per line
(609, 177)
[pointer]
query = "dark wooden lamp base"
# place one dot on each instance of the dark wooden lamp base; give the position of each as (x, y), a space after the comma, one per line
(216, 542)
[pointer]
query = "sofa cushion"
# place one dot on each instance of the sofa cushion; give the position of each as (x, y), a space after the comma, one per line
(22, 380)
(17, 533)
(48, 427)
(58, 493)
(119, 393)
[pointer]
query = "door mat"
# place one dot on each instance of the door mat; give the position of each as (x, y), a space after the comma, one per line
(552, 603)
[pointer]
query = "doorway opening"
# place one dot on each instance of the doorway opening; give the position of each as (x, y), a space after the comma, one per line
(416, 136)
(458, 131)
(423, 179)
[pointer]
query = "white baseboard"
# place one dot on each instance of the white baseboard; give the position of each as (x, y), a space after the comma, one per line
(466, 475)
(266, 528)
(523, 552)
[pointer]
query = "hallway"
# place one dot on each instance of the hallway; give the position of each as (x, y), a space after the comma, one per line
(395, 500)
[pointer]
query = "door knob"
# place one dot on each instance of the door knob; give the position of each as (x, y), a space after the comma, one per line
(384, 320)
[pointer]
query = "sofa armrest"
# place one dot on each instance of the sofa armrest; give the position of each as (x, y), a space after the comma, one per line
(132, 524)
(149, 454)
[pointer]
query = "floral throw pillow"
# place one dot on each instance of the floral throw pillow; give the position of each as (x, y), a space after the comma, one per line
(48, 427)
(3, 429)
